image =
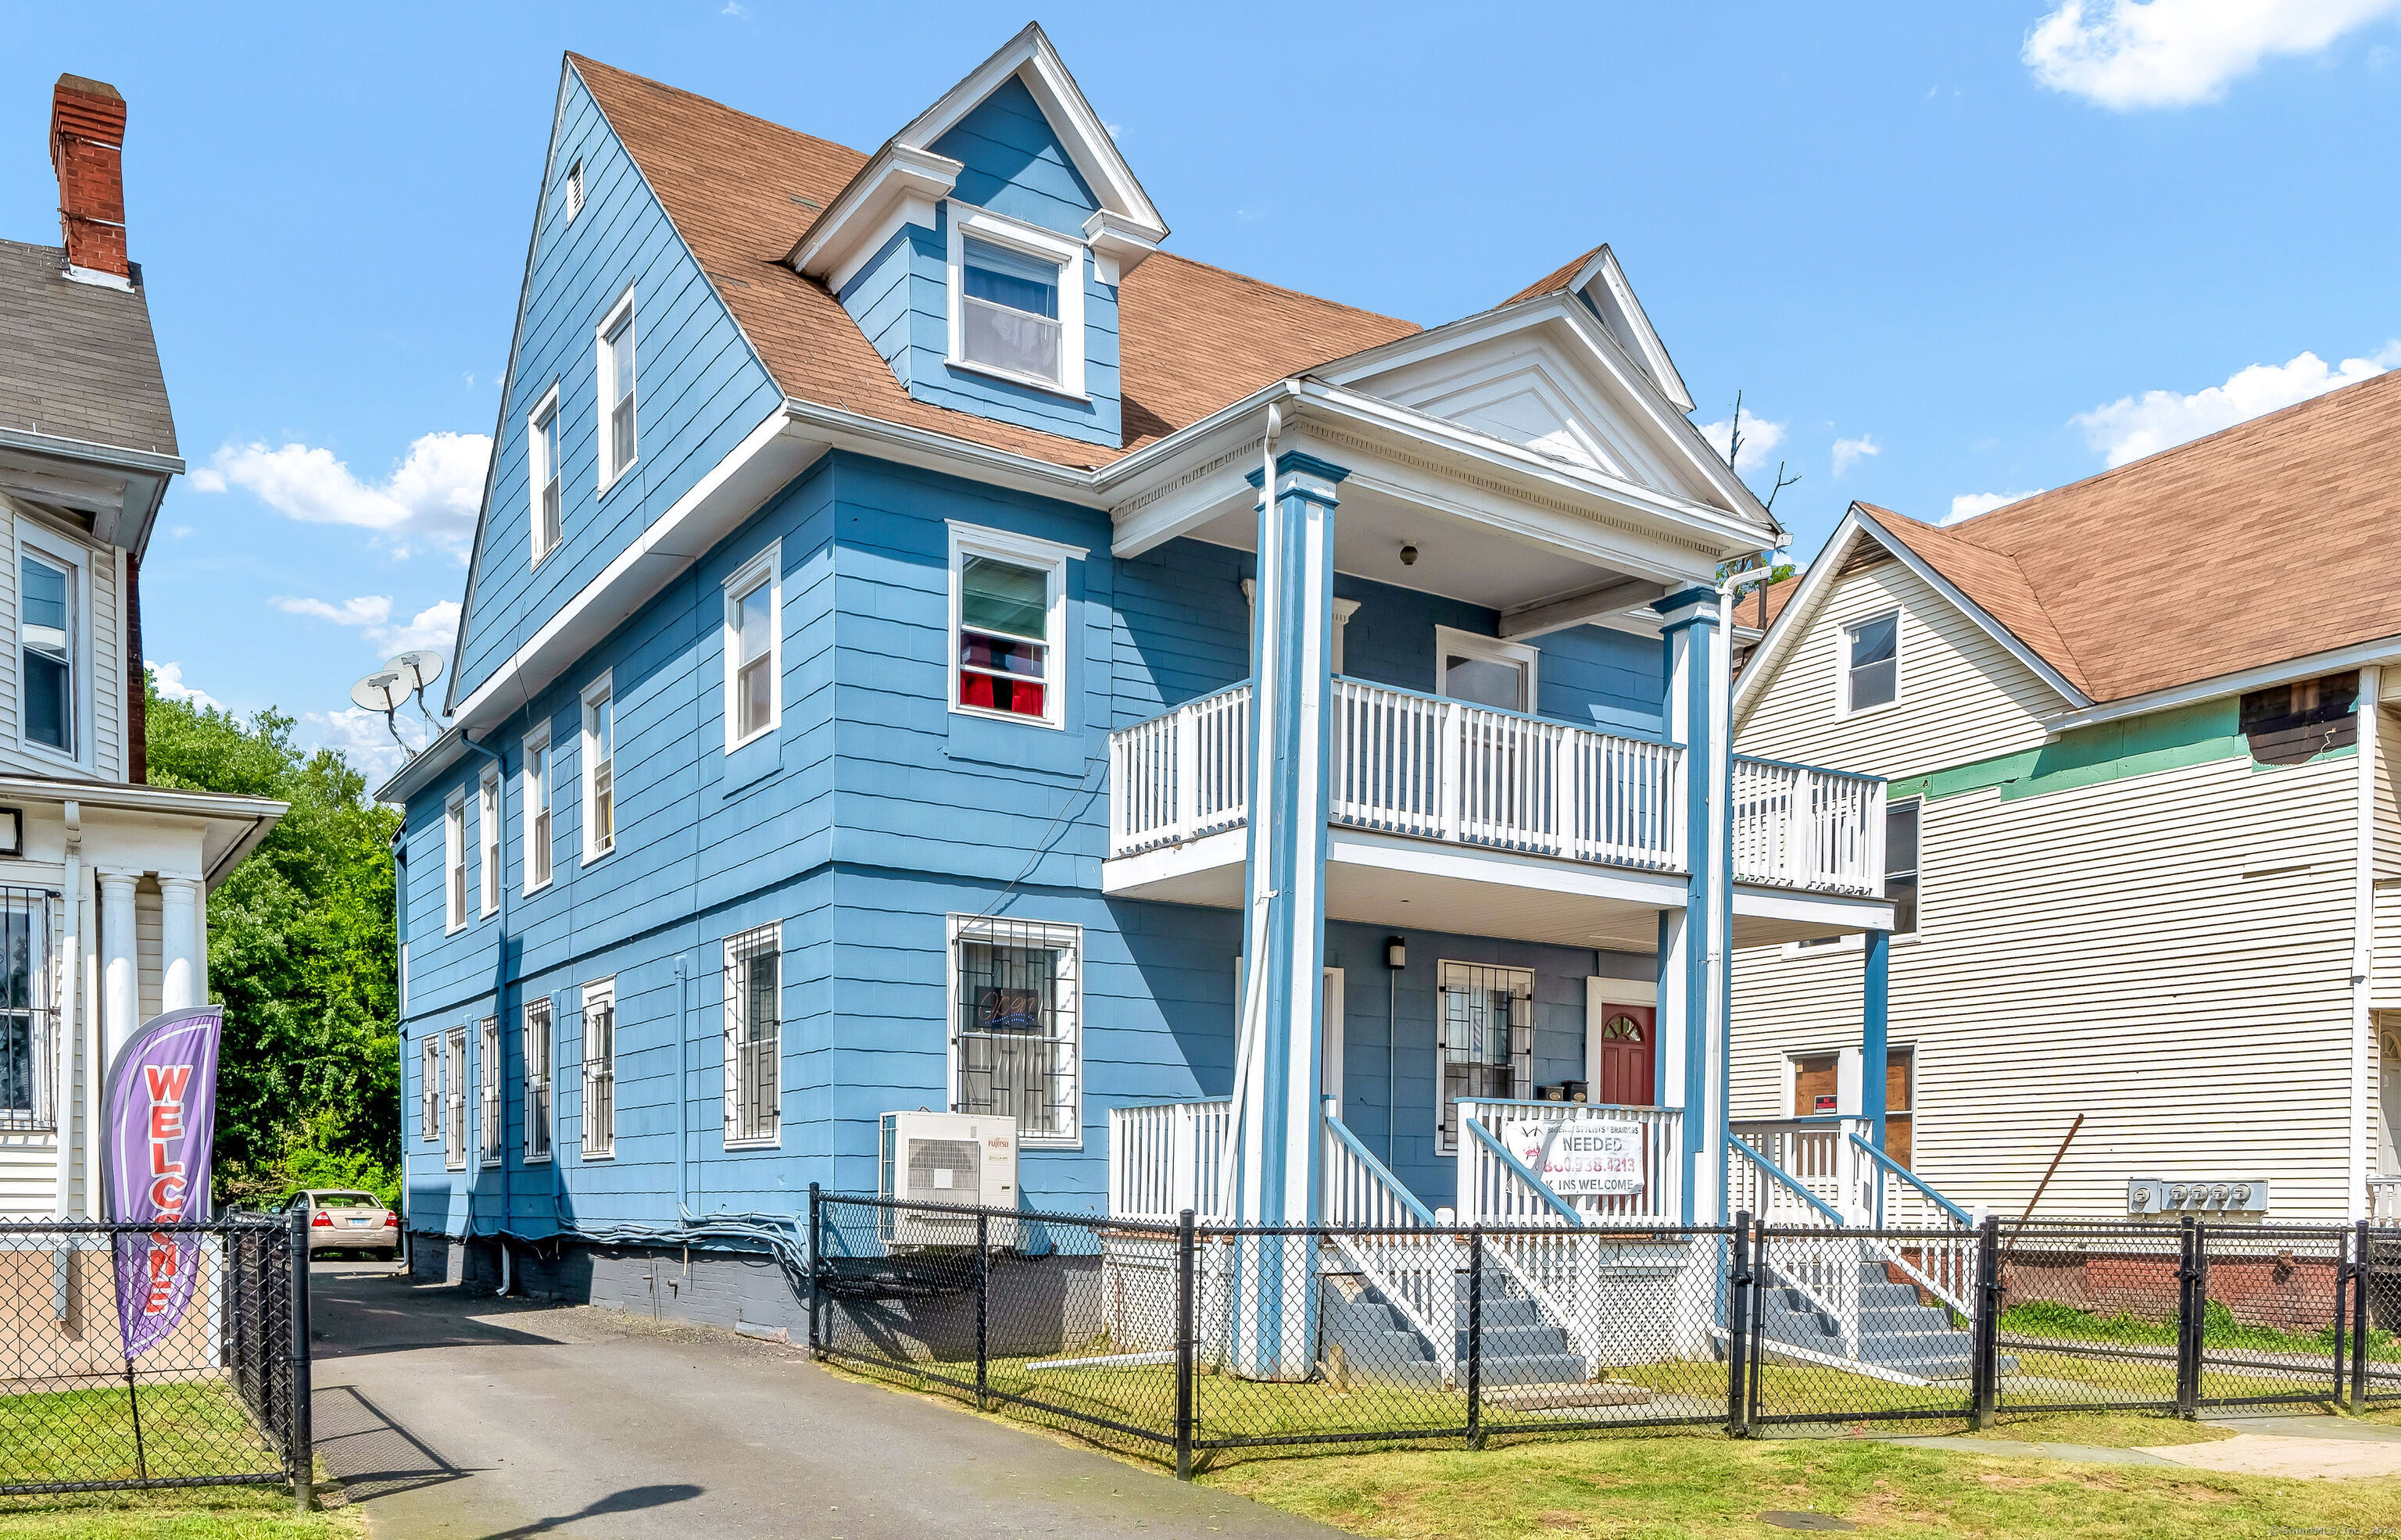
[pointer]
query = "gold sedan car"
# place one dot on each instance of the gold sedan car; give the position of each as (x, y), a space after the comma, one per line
(345, 1220)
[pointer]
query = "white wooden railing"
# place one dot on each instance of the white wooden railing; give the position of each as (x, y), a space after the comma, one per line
(2384, 1199)
(1416, 1269)
(1823, 1172)
(1167, 1157)
(1183, 775)
(1490, 1193)
(1818, 1155)
(1797, 826)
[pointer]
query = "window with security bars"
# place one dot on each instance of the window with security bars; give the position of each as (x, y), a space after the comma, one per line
(28, 1021)
(754, 1036)
(488, 1071)
(537, 1079)
(600, 1075)
(429, 1089)
(454, 1099)
(1487, 1037)
(1016, 1034)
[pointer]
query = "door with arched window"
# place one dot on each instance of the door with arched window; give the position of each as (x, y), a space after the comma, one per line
(1624, 1072)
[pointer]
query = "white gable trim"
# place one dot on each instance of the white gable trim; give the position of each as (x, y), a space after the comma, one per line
(1801, 612)
(899, 187)
(1617, 295)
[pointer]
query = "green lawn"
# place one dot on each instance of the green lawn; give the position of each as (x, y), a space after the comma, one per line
(211, 1513)
(2218, 1329)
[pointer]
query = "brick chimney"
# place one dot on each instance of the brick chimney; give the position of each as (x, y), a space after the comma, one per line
(87, 148)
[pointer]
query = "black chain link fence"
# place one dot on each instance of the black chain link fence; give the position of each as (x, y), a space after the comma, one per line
(1180, 1341)
(220, 1398)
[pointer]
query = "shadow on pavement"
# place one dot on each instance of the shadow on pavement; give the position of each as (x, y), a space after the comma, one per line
(631, 1500)
(371, 1454)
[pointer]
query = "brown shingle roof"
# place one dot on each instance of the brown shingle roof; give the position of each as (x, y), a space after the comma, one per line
(1553, 282)
(77, 361)
(2238, 550)
(1192, 338)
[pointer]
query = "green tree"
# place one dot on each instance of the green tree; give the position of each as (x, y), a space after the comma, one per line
(302, 951)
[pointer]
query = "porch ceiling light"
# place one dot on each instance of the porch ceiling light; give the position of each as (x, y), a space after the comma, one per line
(1408, 556)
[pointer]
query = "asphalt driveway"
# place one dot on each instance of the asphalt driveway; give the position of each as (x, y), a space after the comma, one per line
(451, 1415)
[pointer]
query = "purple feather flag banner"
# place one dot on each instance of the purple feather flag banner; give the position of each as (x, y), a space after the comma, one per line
(160, 1108)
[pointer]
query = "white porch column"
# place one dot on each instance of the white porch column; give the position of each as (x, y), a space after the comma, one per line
(120, 981)
(179, 943)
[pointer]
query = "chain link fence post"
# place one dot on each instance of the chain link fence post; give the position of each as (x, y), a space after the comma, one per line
(1740, 1283)
(983, 1310)
(2191, 1309)
(303, 1445)
(2362, 1282)
(817, 1274)
(1985, 1368)
(1475, 1336)
(1184, 1260)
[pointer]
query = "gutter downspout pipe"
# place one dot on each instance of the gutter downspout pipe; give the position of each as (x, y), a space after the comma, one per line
(70, 972)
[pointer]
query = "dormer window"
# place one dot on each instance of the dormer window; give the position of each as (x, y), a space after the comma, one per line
(1017, 300)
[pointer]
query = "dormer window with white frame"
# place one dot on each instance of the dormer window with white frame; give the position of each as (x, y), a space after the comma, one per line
(542, 480)
(1009, 625)
(619, 444)
(1016, 301)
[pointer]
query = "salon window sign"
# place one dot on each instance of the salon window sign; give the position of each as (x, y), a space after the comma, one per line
(1581, 1157)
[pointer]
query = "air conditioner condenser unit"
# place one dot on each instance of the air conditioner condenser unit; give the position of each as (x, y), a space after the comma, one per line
(968, 1159)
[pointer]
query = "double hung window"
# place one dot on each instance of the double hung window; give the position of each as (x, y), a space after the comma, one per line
(618, 447)
(1011, 320)
(1872, 663)
(429, 1089)
(488, 1074)
(542, 474)
(600, 1070)
(1008, 616)
(1900, 821)
(536, 811)
(28, 1025)
(537, 1079)
(45, 597)
(487, 814)
(754, 1036)
(454, 1098)
(1016, 989)
(599, 771)
(454, 861)
(754, 648)
(1488, 1038)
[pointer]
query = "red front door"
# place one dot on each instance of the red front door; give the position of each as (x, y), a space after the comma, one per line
(1626, 1064)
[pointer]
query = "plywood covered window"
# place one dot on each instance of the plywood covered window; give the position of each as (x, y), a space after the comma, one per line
(1486, 1031)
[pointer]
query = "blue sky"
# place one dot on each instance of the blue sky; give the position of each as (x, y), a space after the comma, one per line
(1990, 248)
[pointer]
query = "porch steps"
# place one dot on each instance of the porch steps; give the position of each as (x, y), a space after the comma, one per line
(1896, 1333)
(1519, 1349)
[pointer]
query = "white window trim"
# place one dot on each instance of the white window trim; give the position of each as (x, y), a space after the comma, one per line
(1843, 707)
(489, 1074)
(489, 844)
(454, 1098)
(538, 472)
(539, 1006)
(1491, 649)
(767, 567)
(1031, 240)
(454, 861)
(429, 1089)
(955, 1091)
(1443, 965)
(733, 1086)
(1343, 610)
(588, 769)
(968, 540)
(604, 379)
(78, 559)
(599, 992)
(1857, 941)
(535, 742)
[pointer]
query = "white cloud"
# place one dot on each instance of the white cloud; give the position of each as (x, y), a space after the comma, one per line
(1759, 436)
(1847, 452)
(1967, 505)
(361, 737)
(168, 678)
(2131, 427)
(429, 498)
(434, 628)
(2126, 54)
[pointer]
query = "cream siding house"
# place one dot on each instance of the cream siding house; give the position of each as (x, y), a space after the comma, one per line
(2167, 900)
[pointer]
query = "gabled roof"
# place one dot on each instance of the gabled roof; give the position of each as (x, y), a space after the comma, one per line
(2249, 548)
(77, 361)
(1597, 277)
(1192, 338)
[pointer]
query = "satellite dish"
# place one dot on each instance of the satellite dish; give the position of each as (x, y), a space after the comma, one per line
(420, 668)
(383, 690)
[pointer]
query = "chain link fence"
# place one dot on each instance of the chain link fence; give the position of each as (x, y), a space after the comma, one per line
(1181, 1341)
(220, 1395)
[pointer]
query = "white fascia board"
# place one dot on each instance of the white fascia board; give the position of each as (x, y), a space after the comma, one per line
(1030, 56)
(901, 185)
(836, 429)
(1844, 911)
(1977, 613)
(420, 770)
(1394, 852)
(233, 825)
(1118, 245)
(1604, 269)
(2356, 655)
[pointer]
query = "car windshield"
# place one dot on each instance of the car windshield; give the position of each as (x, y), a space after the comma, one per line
(347, 1200)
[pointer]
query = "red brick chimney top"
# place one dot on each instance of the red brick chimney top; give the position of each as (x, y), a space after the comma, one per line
(87, 149)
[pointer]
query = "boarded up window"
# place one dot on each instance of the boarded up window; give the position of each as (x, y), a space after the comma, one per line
(2288, 724)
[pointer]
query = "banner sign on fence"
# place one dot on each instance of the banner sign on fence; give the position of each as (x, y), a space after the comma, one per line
(160, 1112)
(1580, 1157)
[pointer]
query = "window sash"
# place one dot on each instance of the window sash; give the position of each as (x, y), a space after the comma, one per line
(488, 809)
(454, 865)
(538, 811)
(600, 1078)
(600, 751)
(1005, 627)
(754, 653)
(547, 480)
(45, 632)
(428, 1090)
(1015, 1034)
(537, 1081)
(619, 346)
(1902, 829)
(1872, 665)
(454, 1099)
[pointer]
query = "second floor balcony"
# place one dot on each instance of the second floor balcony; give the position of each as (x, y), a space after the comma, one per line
(1443, 790)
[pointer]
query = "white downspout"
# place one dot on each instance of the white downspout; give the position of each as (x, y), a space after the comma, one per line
(2363, 962)
(70, 967)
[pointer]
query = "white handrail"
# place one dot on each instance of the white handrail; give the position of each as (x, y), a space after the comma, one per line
(1819, 1155)
(1182, 775)
(1416, 1273)
(1490, 1193)
(2384, 1199)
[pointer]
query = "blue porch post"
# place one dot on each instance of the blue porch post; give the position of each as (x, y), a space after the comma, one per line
(1695, 963)
(1291, 642)
(1874, 1056)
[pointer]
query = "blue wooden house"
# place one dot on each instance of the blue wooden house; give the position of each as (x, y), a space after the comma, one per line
(929, 646)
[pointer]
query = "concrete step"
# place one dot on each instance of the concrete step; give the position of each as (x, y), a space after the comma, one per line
(1532, 1369)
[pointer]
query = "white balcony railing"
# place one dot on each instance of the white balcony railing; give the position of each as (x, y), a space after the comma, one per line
(1796, 826)
(2384, 1199)
(1489, 1193)
(1418, 765)
(1167, 1157)
(1817, 1155)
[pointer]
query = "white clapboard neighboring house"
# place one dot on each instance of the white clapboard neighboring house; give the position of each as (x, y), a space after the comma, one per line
(2142, 840)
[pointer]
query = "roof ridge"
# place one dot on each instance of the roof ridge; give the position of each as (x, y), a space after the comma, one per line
(2074, 669)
